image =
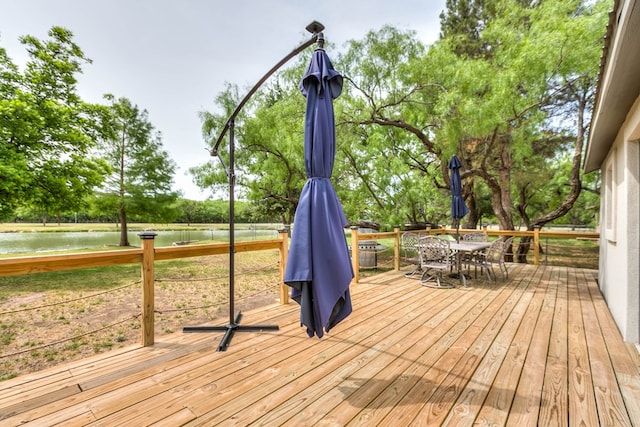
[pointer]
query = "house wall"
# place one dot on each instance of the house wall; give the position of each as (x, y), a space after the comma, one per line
(619, 275)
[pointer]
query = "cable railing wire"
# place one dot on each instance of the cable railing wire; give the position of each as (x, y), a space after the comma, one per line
(73, 338)
(174, 279)
(218, 305)
(67, 301)
(264, 291)
(221, 276)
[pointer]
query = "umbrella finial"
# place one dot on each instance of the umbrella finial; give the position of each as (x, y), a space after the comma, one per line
(316, 28)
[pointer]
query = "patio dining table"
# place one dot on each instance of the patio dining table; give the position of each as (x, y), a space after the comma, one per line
(466, 246)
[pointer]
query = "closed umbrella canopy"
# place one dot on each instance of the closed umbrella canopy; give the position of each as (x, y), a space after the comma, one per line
(319, 267)
(458, 207)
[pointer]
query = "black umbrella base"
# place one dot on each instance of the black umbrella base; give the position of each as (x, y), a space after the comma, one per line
(230, 329)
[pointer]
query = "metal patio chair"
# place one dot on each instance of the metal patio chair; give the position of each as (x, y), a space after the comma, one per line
(497, 256)
(494, 255)
(409, 248)
(469, 258)
(435, 260)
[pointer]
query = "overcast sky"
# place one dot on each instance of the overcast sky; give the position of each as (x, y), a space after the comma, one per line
(172, 57)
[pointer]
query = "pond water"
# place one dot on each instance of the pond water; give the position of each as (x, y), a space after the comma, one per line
(62, 241)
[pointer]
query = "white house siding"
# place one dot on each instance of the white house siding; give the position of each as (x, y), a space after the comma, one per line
(620, 227)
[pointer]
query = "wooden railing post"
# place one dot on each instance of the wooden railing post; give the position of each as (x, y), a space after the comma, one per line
(396, 248)
(355, 254)
(148, 279)
(536, 245)
(284, 254)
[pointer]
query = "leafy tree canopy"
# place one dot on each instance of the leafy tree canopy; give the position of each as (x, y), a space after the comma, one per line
(46, 130)
(141, 171)
(508, 88)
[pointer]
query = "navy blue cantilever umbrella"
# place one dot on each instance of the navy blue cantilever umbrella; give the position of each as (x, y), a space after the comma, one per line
(319, 267)
(458, 208)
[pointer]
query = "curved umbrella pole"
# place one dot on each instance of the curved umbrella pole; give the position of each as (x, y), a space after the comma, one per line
(234, 319)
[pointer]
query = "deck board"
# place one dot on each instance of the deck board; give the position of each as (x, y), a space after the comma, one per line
(540, 348)
(582, 404)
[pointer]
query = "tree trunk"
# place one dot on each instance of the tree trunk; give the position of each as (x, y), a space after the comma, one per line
(124, 238)
(575, 179)
(473, 217)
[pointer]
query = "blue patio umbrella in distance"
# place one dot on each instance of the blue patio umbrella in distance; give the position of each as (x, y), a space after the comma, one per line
(319, 268)
(458, 208)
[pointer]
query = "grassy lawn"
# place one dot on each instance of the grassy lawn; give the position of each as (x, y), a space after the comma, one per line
(50, 318)
(569, 253)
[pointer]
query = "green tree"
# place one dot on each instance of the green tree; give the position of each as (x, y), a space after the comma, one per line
(141, 171)
(390, 159)
(508, 89)
(538, 66)
(463, 21)
(268, 146)
(46, 130)
(507, 100)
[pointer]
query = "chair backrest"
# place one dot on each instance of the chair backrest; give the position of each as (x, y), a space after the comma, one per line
(409, 240)
(498, 248)
(434, 250)
(506, 245)
(475, 237)
(409, 245)
(493, 252)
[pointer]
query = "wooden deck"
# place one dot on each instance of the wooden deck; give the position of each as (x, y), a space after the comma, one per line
(539, 349)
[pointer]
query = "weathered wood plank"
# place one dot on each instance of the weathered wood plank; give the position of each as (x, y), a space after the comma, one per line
(611, 407)
(554, 405)
(359, 385)
(496, 407)
(361, 361)
(526, 403)
(582, 400)
(189, 386)
(404, 396)
(316, 357)
(31, 401)
(100, 386)
(439, 404)
(539, 348)
(634, 353)
(623, 365)
(469, 402)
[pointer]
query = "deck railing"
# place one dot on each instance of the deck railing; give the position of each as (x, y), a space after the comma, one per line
(536, 235)
(147, 255)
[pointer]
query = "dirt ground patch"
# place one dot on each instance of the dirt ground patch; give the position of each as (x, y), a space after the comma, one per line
(43, 329)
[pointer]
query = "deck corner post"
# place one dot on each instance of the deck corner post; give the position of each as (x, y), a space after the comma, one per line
(396, 248)
(355, 254)
(148, 279)
(283, 235)
(536, 244)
